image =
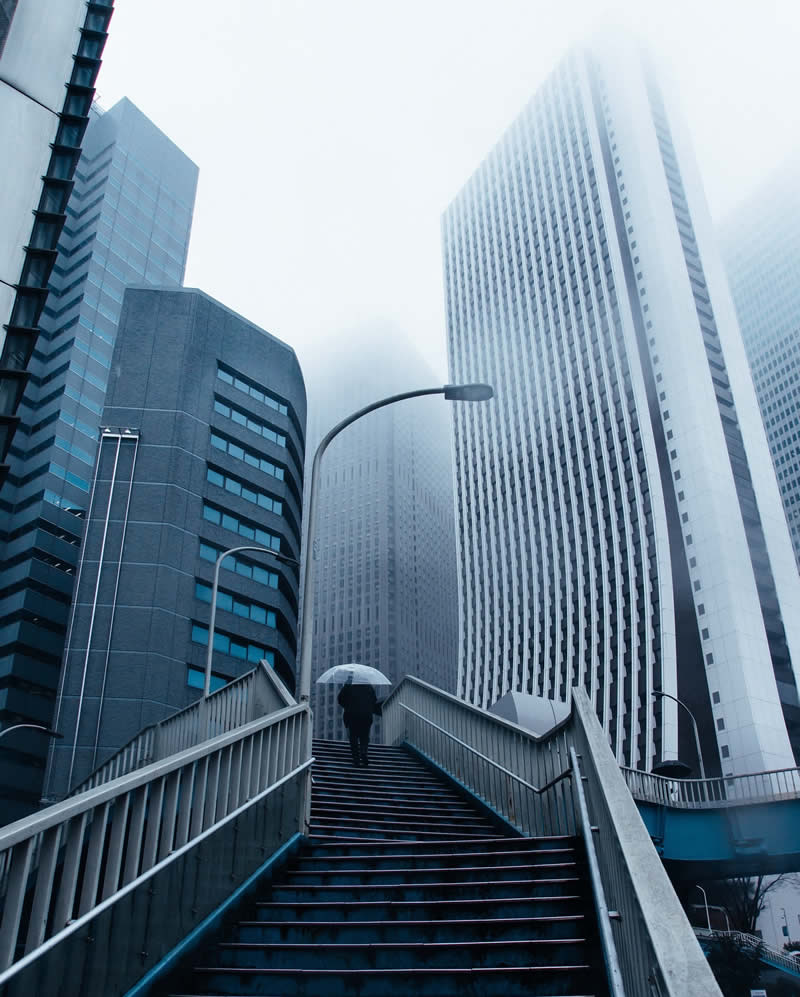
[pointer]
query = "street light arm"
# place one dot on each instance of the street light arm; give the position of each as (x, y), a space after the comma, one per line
(659, 692)
(452, 392)
(212, 619)
(46, 730)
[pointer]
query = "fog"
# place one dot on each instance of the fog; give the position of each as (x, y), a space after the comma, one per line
(331, 136)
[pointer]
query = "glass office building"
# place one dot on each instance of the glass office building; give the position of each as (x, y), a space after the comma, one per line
(619, 523)
(128, 221)
(761, 248)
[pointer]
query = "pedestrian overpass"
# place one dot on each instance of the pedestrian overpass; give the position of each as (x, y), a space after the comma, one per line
(746, 825)
(106, 892)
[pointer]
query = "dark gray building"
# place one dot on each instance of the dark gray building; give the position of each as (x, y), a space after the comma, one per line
(385, 580)
(201, 451)
(128, 222)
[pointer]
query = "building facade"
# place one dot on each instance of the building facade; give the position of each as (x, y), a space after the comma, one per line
(128, 221)
(619, 523)
(201, 451)
(761, 248)
(385, 581)
(50, 54)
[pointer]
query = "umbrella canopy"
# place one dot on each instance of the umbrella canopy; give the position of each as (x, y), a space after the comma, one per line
(358, 674)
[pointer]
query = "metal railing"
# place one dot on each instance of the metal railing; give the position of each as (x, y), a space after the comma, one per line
(711, 794)
(775, 957)
(247, 698)
(99, 887)
(532, 781)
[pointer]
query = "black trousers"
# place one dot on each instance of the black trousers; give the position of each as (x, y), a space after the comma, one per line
(359, 739)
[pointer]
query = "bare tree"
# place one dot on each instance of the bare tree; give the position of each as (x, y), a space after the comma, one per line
(745, 898)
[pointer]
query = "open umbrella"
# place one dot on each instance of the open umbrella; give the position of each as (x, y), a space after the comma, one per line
(359, 674)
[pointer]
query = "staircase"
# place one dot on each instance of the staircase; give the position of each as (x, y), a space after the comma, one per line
(406, 888)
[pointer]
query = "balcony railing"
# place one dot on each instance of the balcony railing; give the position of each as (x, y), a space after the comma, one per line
(567, 782)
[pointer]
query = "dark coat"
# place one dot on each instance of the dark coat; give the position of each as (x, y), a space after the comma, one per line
(358, 702)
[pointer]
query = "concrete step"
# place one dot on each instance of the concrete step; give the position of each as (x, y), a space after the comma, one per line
(366, 876)
(452, 890)
(425, 859)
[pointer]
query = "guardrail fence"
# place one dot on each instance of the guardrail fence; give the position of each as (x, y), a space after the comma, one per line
(96, 889)
(711, 794)
(533, 783)
(247, 698)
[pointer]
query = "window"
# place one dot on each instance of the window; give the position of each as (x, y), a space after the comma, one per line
(250, 422)
(725, 751)
(252, 389)
(234, 646)
(248, 493)
(242, 567)
(248, 456)
(243, 527)
(196, 679)
(238, 605)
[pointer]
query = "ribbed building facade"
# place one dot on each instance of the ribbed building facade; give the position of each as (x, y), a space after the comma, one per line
(618, 521)
(202, 451)
(385, 578)
(128, 221)
(761, 249)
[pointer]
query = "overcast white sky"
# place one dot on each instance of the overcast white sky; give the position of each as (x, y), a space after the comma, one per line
(331, 134)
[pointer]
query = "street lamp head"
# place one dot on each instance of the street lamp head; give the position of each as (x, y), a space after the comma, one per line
(468, 392)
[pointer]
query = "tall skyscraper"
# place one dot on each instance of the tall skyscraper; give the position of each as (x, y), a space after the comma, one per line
(385, 582)
(761, 249)
(202, 451)
(129, 218)
(619, 523)
(49, 58)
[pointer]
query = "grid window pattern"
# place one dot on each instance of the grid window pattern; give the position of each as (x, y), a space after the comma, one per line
(246, 419)
(237, 487)
(244, 527)
(237, 604)
(241, 566)
(232, 645)
(251, 388)
(238, 452)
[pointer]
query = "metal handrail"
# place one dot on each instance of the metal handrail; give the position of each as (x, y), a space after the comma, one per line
(490, 761)
(108, 839)
(613, 972)
(774, 956)
(502, 763)
(244, 699)
(716, 792)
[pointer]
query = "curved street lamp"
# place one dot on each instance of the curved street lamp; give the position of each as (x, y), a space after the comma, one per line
(45, 730)
(658, 692)
(452, 393)
(213, 615)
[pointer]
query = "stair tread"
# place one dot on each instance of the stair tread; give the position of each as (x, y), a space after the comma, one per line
(367, 946)
(451, 922)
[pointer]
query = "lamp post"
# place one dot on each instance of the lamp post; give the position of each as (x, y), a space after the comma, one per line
(705, 901)
(452, 393)
(658, 692)
(213, 616)
(45, 730)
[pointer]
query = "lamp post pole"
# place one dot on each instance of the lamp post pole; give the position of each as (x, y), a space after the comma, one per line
(658, 692)
(451, 392)
(214, 588)
(705, 901)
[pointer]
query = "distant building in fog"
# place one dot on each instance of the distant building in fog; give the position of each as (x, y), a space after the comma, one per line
(761, 249)
(385, 582)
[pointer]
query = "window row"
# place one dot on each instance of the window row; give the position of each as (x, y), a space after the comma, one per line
(249, 494)
(242, 567)
(252, 389)
(243, 527)
(237, 605)
(254, 425)
(233, 646)
(248, 456)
